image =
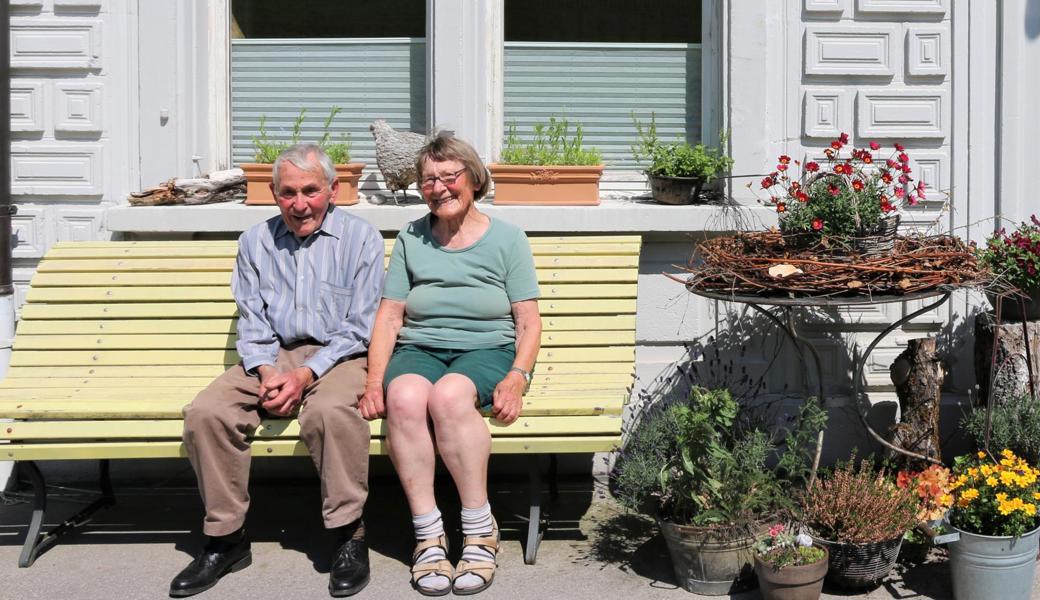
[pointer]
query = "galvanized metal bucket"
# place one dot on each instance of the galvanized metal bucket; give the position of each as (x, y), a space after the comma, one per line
(986, 567)
(703, 564)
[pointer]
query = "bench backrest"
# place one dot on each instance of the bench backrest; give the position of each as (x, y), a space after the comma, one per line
(102, 314)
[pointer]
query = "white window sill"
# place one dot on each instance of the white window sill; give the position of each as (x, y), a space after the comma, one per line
(612, 215)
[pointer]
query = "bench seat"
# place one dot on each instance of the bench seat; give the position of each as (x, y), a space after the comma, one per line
(115, 338)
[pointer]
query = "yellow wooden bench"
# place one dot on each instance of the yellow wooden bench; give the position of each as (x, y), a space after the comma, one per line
(116, 337)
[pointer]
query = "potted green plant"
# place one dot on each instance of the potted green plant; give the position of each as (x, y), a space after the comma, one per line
(789, 566)
(677, 171)
(266, 150)
(860, 515)
(850, 202)
(1013, 423)
(995, 522)
(552, 169)
(1015, 259)
(712, 480)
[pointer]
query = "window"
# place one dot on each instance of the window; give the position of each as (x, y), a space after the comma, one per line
(366, 56)
(599, 61)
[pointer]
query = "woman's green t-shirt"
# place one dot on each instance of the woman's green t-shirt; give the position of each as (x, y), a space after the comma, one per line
(460, 298)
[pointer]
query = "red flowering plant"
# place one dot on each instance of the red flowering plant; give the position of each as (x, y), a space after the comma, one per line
(1015, 257)
(849, 195)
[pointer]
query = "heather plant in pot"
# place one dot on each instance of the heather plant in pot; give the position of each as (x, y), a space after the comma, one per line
(713, 479)
(860, 515)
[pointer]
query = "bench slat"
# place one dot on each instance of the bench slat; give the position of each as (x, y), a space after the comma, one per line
(184, 394)
(172, 449)
(174, 310)
(159, 358)
(560, 381)
(194, 278)
(284, 428)
(222, 293)
(548, 371)
(147, 340)
(227, 326)
(114, 265)
(148, 407)
(534, 237)
(214, 250)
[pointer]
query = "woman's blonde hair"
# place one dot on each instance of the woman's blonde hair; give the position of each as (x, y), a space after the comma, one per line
(445, 146)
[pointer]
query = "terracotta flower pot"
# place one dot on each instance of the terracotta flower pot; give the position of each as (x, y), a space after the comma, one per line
(546, 185)
(259, 177)
(802, 582)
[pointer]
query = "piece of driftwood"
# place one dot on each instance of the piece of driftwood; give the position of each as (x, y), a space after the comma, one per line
(918, 376)
(1011, 379)
(219, 186)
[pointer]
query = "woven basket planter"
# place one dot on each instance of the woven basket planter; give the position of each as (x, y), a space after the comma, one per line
(857, 566)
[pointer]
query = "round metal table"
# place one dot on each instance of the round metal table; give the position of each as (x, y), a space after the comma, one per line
(801, 344)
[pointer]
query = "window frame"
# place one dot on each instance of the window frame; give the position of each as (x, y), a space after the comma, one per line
(465, 45)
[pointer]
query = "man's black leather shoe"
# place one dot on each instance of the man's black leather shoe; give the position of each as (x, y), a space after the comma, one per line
(350, 571)
(218, 558)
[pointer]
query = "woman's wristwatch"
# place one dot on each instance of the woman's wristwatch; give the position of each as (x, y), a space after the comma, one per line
(526, 374)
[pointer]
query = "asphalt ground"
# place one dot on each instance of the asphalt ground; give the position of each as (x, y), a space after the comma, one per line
(593, 550)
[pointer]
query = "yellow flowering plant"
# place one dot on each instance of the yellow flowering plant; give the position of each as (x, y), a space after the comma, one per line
(995, 496)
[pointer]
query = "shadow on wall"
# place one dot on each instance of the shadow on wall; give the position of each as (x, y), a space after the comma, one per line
(753, 359)
(1031, 22)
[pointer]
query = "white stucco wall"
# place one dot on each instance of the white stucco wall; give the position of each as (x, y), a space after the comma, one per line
(949, 78)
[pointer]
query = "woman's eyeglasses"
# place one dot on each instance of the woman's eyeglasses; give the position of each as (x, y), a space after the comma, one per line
(448, 179)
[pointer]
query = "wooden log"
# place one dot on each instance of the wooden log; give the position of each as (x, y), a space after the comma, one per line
(918, 376)
(1011, 379)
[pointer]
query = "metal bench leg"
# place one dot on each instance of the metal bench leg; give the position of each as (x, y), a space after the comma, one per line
(34, 543)
(535, 531)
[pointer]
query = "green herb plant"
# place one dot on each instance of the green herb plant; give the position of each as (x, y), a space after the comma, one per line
(266, 149)
(678, 158)
(696, 463)
(1014, 424)
(552, 144)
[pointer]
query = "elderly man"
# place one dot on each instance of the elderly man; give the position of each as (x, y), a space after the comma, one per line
(307, 285)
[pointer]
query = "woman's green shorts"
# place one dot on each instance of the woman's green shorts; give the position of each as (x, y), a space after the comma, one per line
(485, 367)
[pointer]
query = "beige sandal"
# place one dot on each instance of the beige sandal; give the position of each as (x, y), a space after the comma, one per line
(440, 567)
(485, 570)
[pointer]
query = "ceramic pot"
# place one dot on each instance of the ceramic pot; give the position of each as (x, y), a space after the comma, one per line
(802, 582)
(676, 190)
(546, 185)
(259, 178)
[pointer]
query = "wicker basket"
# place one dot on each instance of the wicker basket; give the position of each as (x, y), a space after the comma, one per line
(860, 565)
(879, 240)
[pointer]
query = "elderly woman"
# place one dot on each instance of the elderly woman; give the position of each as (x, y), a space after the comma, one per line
(460, 303)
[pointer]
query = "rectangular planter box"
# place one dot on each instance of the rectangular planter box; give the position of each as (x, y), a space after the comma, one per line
(546, 185)
(258, 181)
